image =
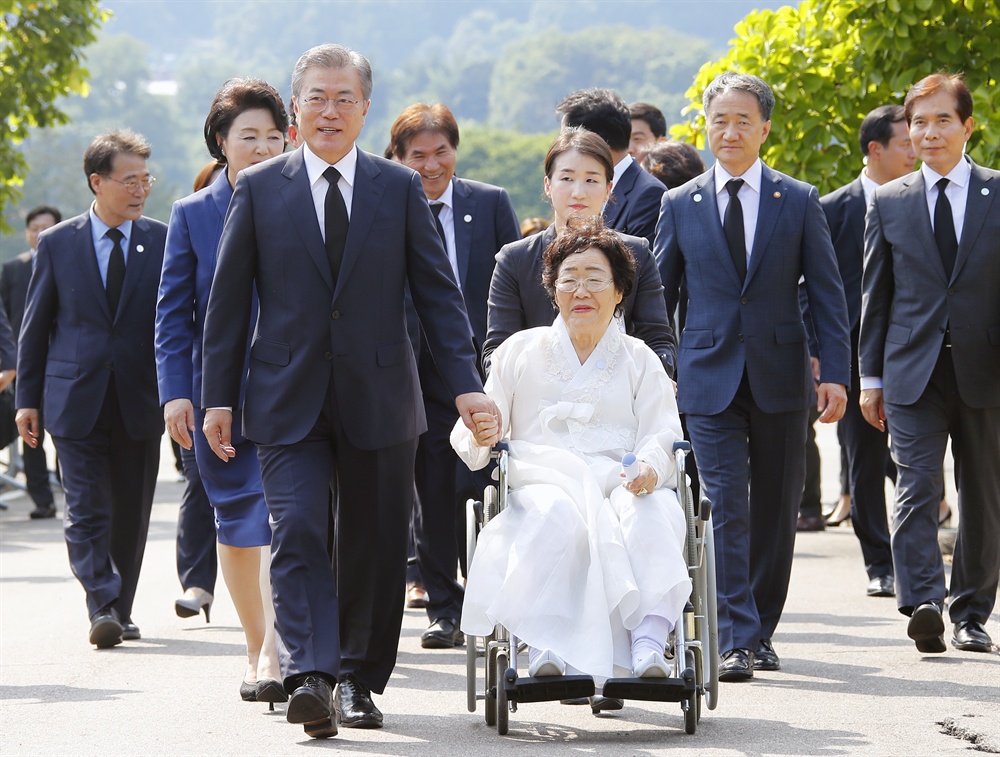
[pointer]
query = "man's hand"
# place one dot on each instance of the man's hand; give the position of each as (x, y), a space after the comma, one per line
(28, 426)
(873, 407)
(218, 429)
(814, 363)
(6, 377)
(472, 407)
(831, 402)
(178, 415)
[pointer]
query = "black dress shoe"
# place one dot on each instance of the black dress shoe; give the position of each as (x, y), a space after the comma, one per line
(130, 631)
(811, 523)
(882, 586)
(444, 633)
(765, 658)
(311, 704)
(600, 704)
(105, 628)
(970, 636)
(926, 628)
(42, 512)
(354, 706)
(736, 665)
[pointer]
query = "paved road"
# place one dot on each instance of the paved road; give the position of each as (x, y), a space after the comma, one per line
(852, 682)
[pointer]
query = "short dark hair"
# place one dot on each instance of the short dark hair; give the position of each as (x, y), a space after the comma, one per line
(652, 115)
(234, 98)
(421, 118)
(754, 85)
(332, 56)
(100, 155)
(601, 111)
(580, 235)
(42, 210)
(954, 85)
(583, 141)
(877, 126)
(673, 163)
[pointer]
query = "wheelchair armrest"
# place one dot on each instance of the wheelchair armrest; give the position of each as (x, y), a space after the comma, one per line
(683, 444)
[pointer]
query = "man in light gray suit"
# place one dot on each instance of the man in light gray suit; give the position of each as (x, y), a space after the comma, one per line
(930, 362)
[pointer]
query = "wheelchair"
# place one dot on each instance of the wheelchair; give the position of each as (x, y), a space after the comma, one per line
(692, 649)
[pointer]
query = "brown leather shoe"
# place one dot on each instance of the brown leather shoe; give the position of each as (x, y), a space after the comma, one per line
(416, 595)
(811, 523)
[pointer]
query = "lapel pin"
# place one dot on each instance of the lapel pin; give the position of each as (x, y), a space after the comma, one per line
(777, 195)
(985, 191)
(468, 218)
(139, 248)
(696, 198)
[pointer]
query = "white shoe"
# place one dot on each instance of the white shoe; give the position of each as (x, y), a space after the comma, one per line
(548, 663)
(650, 665)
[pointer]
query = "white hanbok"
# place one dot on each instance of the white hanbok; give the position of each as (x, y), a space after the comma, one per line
(575, 561)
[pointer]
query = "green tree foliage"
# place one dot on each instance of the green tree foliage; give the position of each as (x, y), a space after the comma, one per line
(40, 60)
(832, 61)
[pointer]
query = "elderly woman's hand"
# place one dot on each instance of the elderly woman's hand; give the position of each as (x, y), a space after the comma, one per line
(486, 429)
(642, 484)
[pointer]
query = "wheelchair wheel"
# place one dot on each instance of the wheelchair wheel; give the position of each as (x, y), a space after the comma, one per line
(712, 659)
(503, 711)
(491, 682)
(471, 648)
(691, 707)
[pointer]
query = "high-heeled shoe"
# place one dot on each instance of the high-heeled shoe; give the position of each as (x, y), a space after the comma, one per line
(194, 601)
(271, 691)
(248, 691)
(834, 523)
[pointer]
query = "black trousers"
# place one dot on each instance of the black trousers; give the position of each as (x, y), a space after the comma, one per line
(197, 560)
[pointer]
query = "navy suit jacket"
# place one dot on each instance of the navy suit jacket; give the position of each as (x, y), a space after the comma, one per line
(312, 336)
(518, 300)
(635, 203)
(758, 325)
(193, 235)
(8, 347)
(845, 214)
(909, 301)
(70, 343)
(14, 280)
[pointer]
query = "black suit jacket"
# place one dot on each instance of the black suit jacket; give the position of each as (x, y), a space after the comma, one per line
(14, 279)
(635, 203)
(845, 214)
(518, 300)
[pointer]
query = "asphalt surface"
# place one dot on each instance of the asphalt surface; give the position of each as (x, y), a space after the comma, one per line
(851, 683)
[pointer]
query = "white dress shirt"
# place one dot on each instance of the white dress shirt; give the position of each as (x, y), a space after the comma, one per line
(447, 218)
(315, 166)
(749, 195)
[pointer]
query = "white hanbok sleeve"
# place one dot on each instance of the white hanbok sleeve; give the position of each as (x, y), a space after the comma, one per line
(499, 387)
(659, 421)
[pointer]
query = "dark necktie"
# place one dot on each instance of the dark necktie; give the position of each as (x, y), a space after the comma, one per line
(336, 221)
(944, 229)
(733, 226)
(436, 209)
(116, 270)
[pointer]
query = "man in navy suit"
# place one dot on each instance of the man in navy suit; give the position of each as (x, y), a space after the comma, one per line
(930, 362)
(635, 194)
(474, 220)
(329, 236)
(14, 289)
(744, 235)
(85, 362)
(885, 144)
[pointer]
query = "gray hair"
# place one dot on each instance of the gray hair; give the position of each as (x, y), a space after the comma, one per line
(732, 81)
(332, 56)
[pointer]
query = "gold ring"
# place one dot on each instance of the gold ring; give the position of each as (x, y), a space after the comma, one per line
(643, 492)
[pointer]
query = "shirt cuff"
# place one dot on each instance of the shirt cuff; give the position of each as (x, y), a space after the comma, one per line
(220, 408)
(871, 382)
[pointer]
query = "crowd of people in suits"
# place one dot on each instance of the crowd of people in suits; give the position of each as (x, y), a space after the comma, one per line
(312, 323)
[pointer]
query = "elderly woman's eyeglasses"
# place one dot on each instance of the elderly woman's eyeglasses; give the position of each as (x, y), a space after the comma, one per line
(343, 105)
(134, 185)
(592, 284)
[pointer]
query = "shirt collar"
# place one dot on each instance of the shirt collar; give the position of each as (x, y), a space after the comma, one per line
(100, 228)
(868, 186)
(959, 175)
(446, 198)
(752, 176)
(315, 165)
(620, 168)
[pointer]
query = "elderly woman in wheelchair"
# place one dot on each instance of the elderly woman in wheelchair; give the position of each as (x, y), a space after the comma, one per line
(582, 565)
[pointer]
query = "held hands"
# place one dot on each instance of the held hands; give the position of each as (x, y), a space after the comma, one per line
(831, 402)
(6, 377)
(28, 426)
(178, 416)
(642, 484)
(481, 416)
(873, 407)
(218, 428)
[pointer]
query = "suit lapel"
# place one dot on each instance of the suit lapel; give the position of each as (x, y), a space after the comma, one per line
(772, 200)
(137, 257)
(919, 220)
(90, 270)
(464, 207)
(367, 195)
(706, 209)
(297, 196)
(982, 190)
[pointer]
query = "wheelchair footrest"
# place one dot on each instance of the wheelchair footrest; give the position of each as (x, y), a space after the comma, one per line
(549, 688)
(650, 689)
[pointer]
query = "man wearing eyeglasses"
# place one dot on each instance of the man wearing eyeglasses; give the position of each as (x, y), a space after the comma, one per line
(85, 361)
(329, 235)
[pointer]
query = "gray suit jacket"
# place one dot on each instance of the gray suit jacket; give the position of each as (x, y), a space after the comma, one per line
(908, 302)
